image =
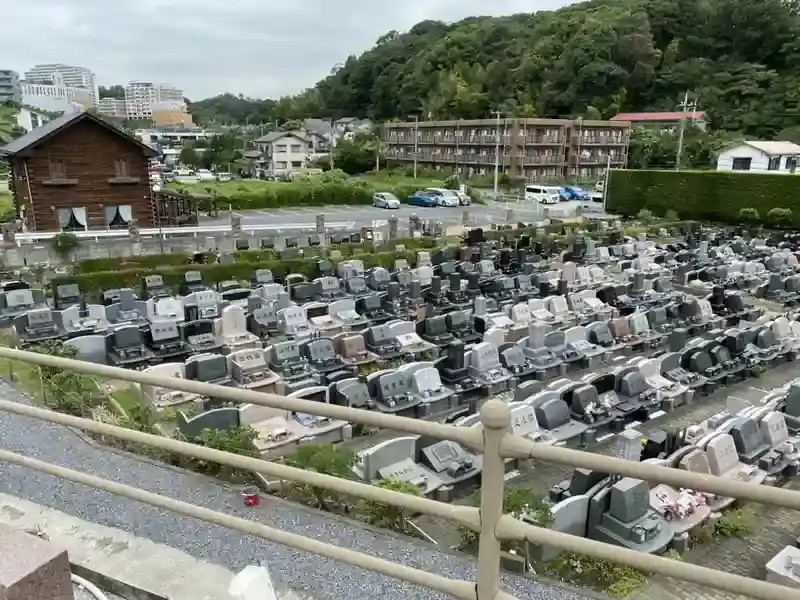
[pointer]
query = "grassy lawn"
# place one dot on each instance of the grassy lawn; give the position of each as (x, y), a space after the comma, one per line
(6, 202)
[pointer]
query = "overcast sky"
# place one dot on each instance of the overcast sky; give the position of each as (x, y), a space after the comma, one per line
(207, 47)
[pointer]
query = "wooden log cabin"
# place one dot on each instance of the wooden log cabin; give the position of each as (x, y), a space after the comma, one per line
(77, 173)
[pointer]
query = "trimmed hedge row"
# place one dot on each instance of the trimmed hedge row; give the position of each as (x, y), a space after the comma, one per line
(255, 195)
(251, 257)
(703, 195)
(94, 283)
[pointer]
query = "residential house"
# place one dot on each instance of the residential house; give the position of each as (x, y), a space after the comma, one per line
(29, 118)
(664, 121)
(540, 150)
(760, 157)
(77, 172)
(285, 151)
(352, 126)
(321, 128)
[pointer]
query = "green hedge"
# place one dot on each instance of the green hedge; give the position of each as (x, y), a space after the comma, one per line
(93, 283)
(702, 195)
(244, 195)
(250, 257)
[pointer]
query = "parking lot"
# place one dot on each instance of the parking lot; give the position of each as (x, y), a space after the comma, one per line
(492, 212)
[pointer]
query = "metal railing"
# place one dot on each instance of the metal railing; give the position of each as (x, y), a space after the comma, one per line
(493, 439)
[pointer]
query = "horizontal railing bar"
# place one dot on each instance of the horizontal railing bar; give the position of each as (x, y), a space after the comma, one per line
(512, 528)
(464, 590)
(464, 515)
(513, 446)
(467, 436)
(472, 437)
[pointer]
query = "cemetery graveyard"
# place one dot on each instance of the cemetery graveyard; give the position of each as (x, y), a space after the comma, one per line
(585, 346)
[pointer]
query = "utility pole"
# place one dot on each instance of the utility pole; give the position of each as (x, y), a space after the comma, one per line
(684, 107)
(496, 155)
(416, 144)
(458, 150)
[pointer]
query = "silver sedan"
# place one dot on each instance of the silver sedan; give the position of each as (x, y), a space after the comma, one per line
(385, 200)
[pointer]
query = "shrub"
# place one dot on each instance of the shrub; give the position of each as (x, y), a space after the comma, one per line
(328, 189)
(779, 217)
(671, 215)
(644, 216)
(703, 195)
(749, 216)
(65, 242)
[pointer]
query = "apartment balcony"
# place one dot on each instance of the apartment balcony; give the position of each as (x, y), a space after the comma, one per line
(400, 140)
(538, 140)
(535, 159)
(599, 141)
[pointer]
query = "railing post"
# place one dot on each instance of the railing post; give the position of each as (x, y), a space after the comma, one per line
(496, 421)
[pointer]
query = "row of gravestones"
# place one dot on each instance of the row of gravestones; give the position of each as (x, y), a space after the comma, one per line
(548, 415)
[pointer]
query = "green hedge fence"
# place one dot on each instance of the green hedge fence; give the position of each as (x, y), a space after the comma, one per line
(716, 196)
(244, 195)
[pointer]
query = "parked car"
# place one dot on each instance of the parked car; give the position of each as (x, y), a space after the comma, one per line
(422, 199)
(224, 177)
(576, 193)
(542, 194)
(385, 200)
(463, 198)
(599, 186)
(204, 175)
(444, 197)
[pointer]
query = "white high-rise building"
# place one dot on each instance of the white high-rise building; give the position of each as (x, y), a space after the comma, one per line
(69, 75)
(140, 96)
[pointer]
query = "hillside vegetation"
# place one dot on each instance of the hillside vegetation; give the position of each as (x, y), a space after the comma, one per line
(738, 58)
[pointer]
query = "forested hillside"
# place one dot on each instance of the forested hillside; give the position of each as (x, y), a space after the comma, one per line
(738, 58)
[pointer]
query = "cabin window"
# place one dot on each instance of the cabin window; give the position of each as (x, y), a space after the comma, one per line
(58, 169)
(774, 163)
(118, 217)
(121, 168)
(72, 219)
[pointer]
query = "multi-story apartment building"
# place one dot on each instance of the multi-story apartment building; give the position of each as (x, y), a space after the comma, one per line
(68, 75)
(56, 96)
(140, 96)
(10, 90)
(112, 107)
(540, 150)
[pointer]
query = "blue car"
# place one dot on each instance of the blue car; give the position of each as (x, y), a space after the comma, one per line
(422, 199)
(576, 193)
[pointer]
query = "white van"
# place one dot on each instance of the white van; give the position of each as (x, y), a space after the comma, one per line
(542, 194)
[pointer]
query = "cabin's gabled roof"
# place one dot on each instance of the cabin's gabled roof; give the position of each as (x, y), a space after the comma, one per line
(30, 140)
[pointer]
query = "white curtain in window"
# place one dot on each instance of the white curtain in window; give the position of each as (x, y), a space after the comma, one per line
(111, 212)
(126, 213)
(79, 212)
(64, 215)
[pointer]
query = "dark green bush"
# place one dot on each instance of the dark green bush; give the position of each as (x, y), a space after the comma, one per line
(717, 196)
(749, 216)
(779, 217)
(93, 283)
(252, 257)
(246, 195)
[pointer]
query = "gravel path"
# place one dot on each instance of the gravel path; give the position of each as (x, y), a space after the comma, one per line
(323, 578)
